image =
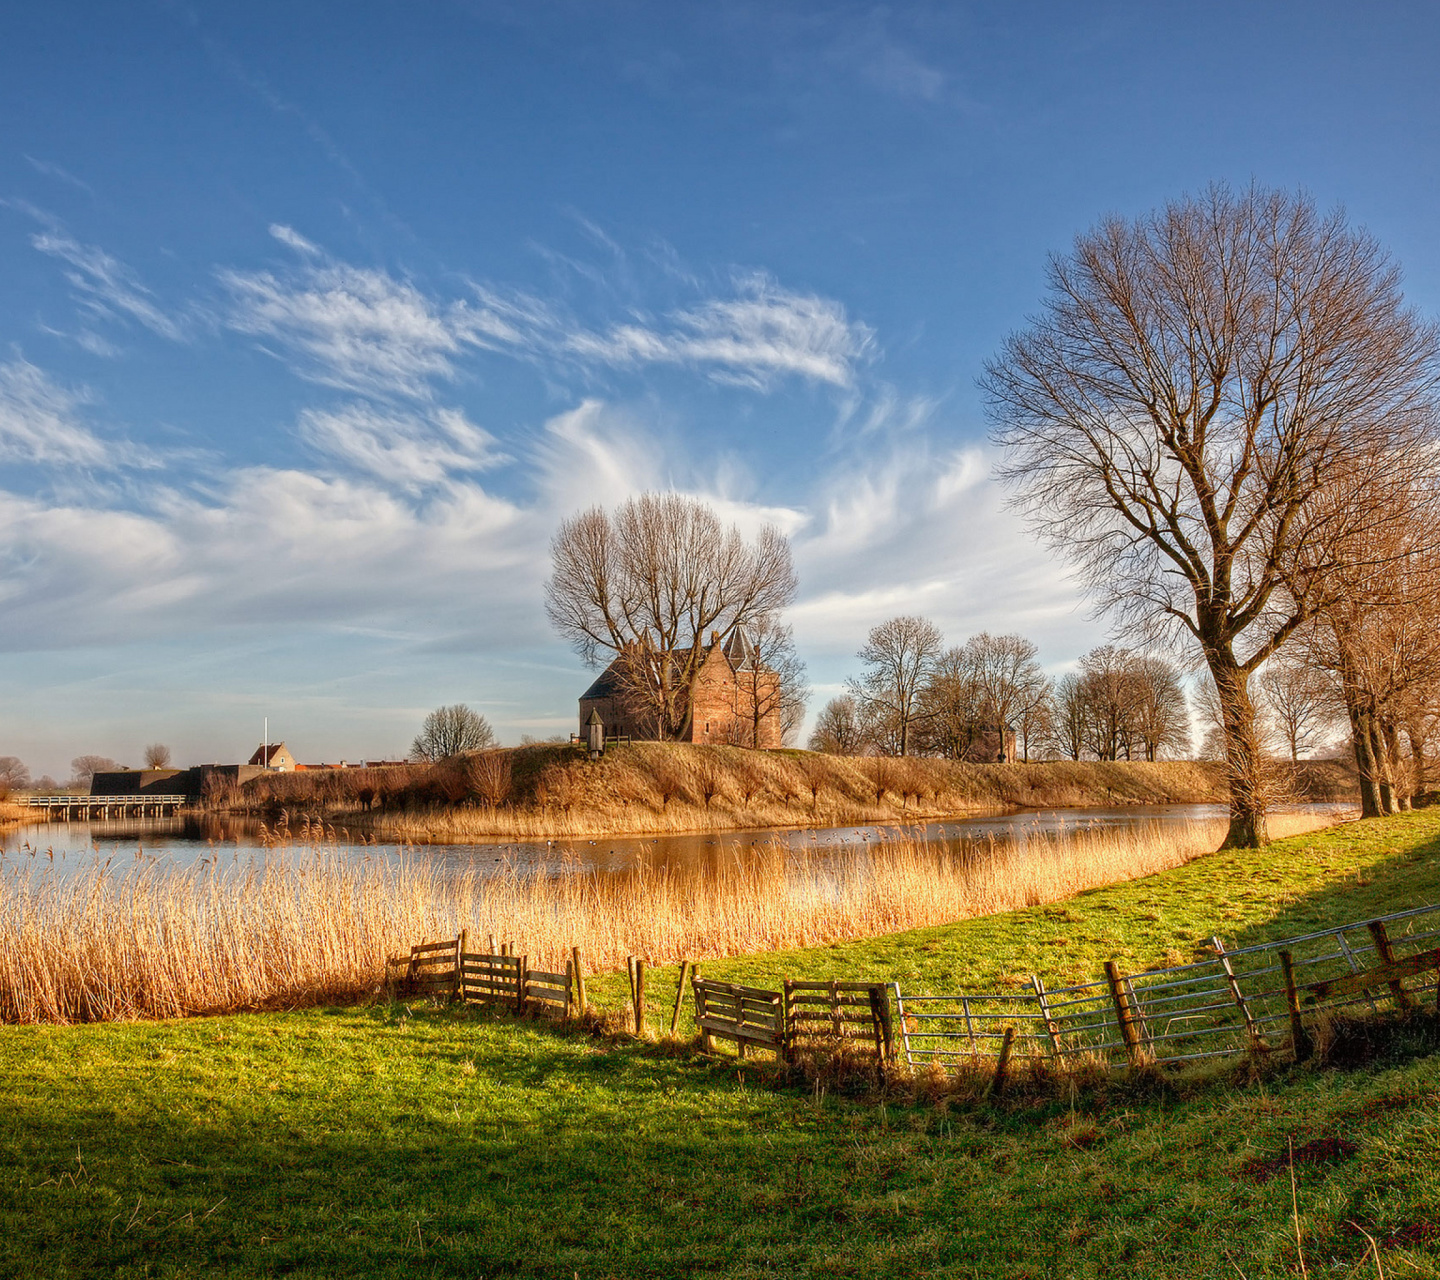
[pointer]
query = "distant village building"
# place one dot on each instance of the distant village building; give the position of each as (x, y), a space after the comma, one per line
(274, 756)
(731, 683)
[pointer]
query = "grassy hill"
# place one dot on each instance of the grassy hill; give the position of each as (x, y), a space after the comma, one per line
(409, 1140)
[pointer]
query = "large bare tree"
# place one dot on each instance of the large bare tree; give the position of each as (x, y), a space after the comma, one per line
(650, 583)
(899, 657)
(1178, 415)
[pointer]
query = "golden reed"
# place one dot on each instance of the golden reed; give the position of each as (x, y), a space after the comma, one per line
(312, 924)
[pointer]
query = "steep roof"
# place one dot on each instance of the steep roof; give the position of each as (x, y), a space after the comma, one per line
(738, 649)
(260, 751)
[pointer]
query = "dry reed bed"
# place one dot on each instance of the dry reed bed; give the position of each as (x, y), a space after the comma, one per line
(312, 925)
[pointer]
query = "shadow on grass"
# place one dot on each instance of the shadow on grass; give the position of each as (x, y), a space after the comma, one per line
(1410, 877)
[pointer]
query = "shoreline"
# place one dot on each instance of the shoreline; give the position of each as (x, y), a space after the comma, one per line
(655, 789)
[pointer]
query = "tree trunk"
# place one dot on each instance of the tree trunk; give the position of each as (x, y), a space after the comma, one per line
(1419, 766)
(1399, 769)
(1381, 757)
(1248, 829)
(1370, 803)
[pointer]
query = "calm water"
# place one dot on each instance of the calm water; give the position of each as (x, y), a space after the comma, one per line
(77, 846)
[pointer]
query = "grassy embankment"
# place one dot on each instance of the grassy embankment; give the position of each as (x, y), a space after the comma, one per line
(314, 924)
(407, 1141)
(649, 788)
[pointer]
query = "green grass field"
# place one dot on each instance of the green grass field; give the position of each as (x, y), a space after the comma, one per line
(388, 1140)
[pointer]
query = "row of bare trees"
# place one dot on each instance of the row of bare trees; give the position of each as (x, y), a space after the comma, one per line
(918, 697)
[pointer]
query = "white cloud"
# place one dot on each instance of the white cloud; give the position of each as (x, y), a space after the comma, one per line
(763, 333)
(291, 238)
(349, 327)
(363, 330)
(917, 531)
(38, 421)
(408, 449)
(108, 288)
(275, 548)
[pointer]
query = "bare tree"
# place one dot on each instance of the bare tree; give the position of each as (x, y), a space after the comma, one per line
(1379, 634)
(1160, 715)
(1178, 417)
(952, 713)
(900, 656)
(1109, 698)
(1035, 723)
(770, 683)
(1071, 718)
(1300, 698)
(157, 756)
(838, 731)
(448, 731)
(14, 776)
(84, 768)
(491, 776)
(648, 585)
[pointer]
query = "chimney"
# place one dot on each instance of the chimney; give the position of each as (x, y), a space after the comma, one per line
(714, 637)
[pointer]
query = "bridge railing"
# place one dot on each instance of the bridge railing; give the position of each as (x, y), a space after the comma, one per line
(64, 802)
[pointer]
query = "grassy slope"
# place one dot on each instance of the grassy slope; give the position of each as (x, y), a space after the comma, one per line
(381, 1141)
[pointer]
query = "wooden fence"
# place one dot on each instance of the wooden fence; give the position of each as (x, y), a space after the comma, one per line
(1234, 1001)
(501, 979)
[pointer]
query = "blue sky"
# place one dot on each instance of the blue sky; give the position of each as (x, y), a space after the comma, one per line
(318, 318)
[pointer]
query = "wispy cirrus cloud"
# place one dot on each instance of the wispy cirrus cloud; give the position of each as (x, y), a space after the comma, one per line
(358, 329)
(105, 286)
(364, 330)
(410, 450)
(763, 333)
(38, 421)
(52, 170)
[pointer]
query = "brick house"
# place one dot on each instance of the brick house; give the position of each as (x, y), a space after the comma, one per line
(731, 681)
(278, 758)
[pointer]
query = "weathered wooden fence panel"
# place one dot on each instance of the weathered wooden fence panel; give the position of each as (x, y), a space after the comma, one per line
(492, 979)
(433, 969)
(827, 1015)
(747, 1015)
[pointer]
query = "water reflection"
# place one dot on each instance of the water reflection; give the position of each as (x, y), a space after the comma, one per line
(193, 841)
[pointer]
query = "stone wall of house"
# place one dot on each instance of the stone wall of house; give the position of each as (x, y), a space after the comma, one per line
(723, 709)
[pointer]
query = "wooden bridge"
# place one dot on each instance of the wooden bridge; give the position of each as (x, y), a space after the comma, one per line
(66, 808)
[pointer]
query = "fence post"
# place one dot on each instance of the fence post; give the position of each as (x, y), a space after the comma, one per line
(706, 1041)
(1002, 1064)
(1122, 1015)
(880, 1013)
(679, 997)
(460, 964)
(1299, 1039)
(579, 981)
(1386, 952)
(522, 976)
(1251, 1030)
(787, 1034)
(1051, 1029)
(639, 995)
